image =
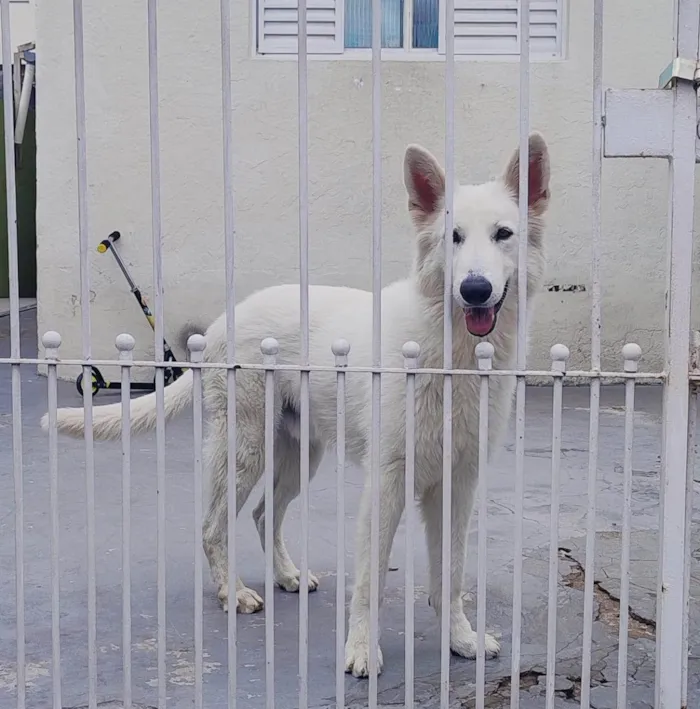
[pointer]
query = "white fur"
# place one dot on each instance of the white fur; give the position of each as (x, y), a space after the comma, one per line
(412, 309)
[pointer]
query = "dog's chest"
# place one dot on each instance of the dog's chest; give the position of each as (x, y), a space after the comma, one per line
(430, 411)
(465, 418)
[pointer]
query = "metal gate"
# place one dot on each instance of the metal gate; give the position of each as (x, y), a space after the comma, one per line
(660, 123)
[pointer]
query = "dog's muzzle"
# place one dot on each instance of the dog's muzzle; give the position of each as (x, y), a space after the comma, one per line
(481, 320)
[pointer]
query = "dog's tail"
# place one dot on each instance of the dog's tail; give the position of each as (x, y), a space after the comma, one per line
(191, 327)
(106, 420)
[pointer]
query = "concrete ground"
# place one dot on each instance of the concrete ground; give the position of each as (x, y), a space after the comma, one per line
(251, 647)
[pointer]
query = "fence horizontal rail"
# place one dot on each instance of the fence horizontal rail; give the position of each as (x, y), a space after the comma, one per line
(573, 374)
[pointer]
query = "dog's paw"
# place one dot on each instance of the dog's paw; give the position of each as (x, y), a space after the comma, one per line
(289, 581)
(464, 644)
(357, 658)
(247, 600)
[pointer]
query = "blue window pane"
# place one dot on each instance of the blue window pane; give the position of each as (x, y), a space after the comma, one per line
(358, 24)
(425, 24)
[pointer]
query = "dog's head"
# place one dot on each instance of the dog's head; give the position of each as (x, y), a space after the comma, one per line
(485, 233)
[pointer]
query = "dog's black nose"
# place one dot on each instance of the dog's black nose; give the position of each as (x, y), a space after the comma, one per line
(475, 290)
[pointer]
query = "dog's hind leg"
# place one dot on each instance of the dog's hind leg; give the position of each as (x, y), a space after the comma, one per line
(215, 528)
(286, 488)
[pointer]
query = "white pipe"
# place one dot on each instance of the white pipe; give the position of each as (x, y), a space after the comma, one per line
(24, 97)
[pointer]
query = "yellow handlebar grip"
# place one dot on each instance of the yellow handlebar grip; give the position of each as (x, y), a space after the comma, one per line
(102, 247)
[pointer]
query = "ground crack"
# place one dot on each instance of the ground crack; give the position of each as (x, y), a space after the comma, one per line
(498, 694)
(608, 604)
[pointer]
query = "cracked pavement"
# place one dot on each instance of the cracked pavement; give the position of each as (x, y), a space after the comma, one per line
(322, 555)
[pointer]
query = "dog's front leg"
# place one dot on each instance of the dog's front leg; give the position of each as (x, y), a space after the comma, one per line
(391, 504)
(462, 636)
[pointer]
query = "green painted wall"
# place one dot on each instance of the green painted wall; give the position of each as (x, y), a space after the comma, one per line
(26, 211)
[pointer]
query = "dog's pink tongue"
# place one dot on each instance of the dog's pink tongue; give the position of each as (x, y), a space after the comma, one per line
(479, 320)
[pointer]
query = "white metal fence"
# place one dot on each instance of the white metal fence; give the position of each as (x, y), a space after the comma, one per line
(677, 378)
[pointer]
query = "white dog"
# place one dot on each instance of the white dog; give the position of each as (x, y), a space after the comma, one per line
(485, 248)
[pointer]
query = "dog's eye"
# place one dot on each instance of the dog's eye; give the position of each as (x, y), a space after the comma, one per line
(457, 236)
(503, 233)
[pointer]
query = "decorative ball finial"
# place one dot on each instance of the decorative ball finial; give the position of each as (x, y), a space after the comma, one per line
(196, 343)
(559, 353)
(269, 346)
(631, 353)
(125, 342)
(340, 347)
(411, 350)
(51, 340)
(484, 350)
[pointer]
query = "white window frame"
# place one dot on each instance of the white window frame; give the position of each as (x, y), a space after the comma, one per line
(408, 53)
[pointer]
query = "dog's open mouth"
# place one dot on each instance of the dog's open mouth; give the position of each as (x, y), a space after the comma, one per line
(481, 320)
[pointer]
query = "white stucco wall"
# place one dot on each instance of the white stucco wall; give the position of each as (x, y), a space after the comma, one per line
(637, 46)
(22, 24)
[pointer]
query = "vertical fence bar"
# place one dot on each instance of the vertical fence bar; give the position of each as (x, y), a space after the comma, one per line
(375, 442)
(518, 551)
(83, 231)
(484, 354)
(340, 349)
(659, 574)
(51, 342)
(675, 430)
(411, 353)
(447, 358)
(631, 354)
(154, 132)
(523, 184)
(196, 345)
(559, 354)
(689, 497)
(596, 177)
(303, 80)
(269, 348)
(229, 251)
(125, 345)
(518, 532)
(17, 465)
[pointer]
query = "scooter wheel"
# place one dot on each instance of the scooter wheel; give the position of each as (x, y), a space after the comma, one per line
(96, 378)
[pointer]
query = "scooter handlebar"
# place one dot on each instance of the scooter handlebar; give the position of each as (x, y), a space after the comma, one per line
(105, 244)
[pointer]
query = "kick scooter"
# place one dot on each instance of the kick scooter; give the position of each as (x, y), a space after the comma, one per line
(171, 373)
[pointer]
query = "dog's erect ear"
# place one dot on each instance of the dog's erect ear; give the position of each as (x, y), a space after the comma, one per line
(538, 184)
(425, 184)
